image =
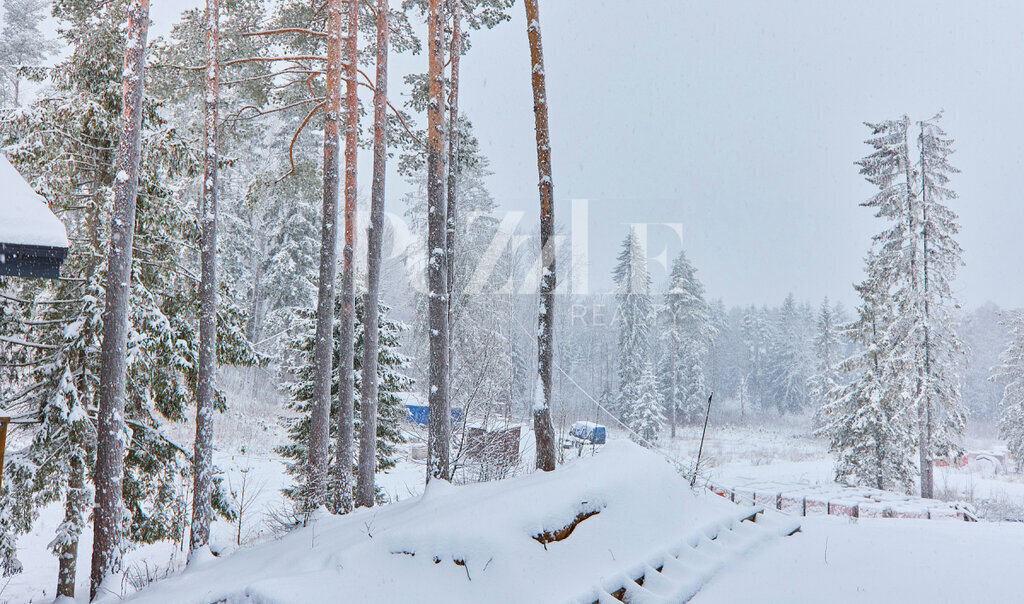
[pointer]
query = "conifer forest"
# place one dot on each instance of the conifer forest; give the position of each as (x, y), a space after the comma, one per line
(510, 301)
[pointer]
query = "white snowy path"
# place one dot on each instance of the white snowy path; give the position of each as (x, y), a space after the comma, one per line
(878, 561)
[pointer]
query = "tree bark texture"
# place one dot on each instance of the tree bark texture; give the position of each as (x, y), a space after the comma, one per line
(108, 518)
(319, 425)
(439, 423)
(202, 469)
(543, 429)
(365, 486)
(346, 379)
(453, 171)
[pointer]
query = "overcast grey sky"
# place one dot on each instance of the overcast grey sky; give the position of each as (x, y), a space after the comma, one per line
(742, 119)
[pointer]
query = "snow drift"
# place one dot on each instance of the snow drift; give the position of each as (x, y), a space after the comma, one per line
(543, 537)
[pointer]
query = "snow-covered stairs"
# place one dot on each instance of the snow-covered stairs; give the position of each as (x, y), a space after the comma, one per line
(675, 574)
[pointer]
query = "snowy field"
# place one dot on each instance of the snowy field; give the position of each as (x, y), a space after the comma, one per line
(832, 559)
(893, 560)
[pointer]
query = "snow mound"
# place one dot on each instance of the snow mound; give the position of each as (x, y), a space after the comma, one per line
(544, 537)
(25, 219)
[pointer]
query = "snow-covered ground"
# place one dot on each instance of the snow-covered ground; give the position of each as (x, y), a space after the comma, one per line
(247, 435)
(893, 560)
(479, 542)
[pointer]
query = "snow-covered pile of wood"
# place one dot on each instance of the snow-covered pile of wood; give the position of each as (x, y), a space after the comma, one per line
(544, 537)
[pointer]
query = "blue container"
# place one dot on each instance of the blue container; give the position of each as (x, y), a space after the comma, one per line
(589, 432)
(420, 414)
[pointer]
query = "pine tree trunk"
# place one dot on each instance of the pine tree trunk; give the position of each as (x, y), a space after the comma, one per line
(544, 431)
(108, 522)
(202, 469)
(346, 378)
(673, 401)
(925, 447)
(365, 487)
(453, 169)
(923, 439)
(319, 428)
(77, 501)
(439, 430)
(255, 323)
(76, 509)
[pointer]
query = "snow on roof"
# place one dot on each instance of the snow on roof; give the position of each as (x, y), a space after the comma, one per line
(25, 219)
(473, 543)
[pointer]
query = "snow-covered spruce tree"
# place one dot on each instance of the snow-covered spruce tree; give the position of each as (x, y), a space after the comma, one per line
(757, 332)
(62, 384)
(391, 367)
(23, 46)
(869, 420)
(634, 314)
(986, 337)
(941, 412)
(644, 416)
(914, 264)
(687, 336)
(64, 143)
(828, 354)
(308, 30)
(279, 276)
(1011, 370)
(720, 371)
(790, 362)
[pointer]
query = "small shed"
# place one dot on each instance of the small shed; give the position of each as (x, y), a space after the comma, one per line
(33, 242)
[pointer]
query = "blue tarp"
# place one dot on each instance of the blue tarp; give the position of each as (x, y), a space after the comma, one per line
(588, 432)
(420, 414)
